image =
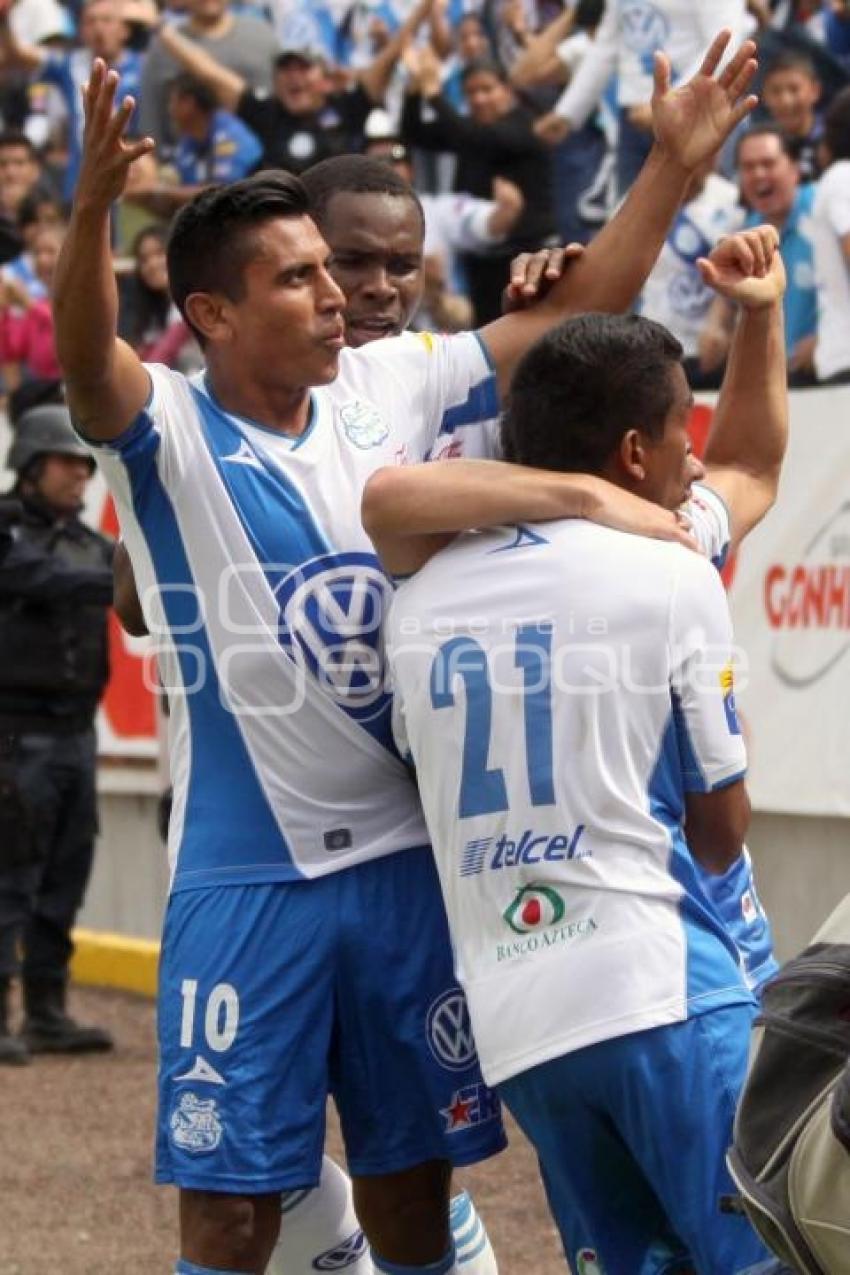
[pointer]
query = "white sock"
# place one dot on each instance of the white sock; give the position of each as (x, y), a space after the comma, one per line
(473, 1251)
(319, 1230)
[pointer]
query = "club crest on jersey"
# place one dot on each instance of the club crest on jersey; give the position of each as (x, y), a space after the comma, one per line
(331, 622)
(364, 425)
(533, 908)
(342, 1255)
(449, 1031)
(196, 1125)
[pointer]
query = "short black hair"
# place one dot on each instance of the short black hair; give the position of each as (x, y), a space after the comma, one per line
(766, 130)
(354, 175)
(583, 385)
(836, 126)
(10, 137)
(792, 60)
(483, 66)
(185, 85)
(211, 238)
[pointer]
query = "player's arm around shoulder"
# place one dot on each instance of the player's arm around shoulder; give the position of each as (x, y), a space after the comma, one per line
(107, 385)
(412, 512)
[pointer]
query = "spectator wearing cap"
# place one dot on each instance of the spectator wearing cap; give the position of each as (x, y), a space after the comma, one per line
(103, 34)
(831, 235)
(240, 43)
(302, 121)
(770, 186)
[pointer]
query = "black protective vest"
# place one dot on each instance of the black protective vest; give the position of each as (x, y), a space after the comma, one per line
(55, 588)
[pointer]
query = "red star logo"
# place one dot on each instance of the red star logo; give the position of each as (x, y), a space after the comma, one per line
(457, 1113)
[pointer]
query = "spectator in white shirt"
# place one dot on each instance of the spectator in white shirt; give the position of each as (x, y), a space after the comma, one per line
(628, 36)
(675, 293)
(831, 237)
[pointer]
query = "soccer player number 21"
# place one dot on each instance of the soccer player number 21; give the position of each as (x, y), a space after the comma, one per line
(483, 790)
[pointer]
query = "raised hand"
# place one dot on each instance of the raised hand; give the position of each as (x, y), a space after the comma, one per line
(107, 155)
(746, 268)
(692, 121)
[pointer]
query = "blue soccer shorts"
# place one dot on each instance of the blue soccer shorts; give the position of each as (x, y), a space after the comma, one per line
(273, 996)
(632, 1136)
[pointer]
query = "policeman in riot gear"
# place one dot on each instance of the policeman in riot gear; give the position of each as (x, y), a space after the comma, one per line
(55, 588)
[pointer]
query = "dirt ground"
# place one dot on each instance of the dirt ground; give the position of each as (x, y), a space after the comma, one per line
(76, 1196)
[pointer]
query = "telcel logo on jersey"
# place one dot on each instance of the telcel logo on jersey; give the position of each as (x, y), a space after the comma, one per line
(525, 850)
(536, 913)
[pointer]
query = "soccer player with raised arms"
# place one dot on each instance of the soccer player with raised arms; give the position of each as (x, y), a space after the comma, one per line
(299, 882)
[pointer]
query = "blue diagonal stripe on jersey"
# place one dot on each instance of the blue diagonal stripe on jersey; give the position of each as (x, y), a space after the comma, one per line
(481, 404)
(272, 511)
(286, 538)
(218, 753)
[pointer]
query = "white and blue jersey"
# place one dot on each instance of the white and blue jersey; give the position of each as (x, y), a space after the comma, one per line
(265, 602)
(560, 689)
(229, 152)
(70, 73)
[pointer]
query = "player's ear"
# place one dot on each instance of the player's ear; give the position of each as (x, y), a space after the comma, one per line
(632, 455)
(209, 313)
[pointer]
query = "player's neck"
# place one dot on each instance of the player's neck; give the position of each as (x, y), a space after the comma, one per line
(284, 409)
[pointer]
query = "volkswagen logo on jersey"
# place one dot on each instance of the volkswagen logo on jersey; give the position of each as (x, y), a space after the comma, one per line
(331, 613)
(644, 27)
(450, 1031)
(533, 907)
(344, 1254)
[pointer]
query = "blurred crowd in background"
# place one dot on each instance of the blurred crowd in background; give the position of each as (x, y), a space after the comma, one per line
(521, 123)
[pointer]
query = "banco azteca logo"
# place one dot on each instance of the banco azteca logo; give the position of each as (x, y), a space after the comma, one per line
(533, 908)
